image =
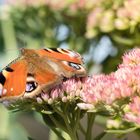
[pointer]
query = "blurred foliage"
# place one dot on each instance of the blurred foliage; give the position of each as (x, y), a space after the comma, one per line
(1, 39)
(9, 127)
(76, 24)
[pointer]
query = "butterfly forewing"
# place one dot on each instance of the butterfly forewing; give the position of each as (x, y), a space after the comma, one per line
(61, 54)
(45, 79)
(15, 79)
(68, 63)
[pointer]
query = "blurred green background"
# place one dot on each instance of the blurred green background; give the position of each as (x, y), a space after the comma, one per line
(100, 30)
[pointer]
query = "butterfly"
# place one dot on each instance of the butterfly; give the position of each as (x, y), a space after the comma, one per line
(36, 71)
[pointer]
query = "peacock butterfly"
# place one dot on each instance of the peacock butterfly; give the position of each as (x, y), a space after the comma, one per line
(36, 71)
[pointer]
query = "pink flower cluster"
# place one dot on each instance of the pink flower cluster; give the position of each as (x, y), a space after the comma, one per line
(69, 90)
(122, 83)
(98, 88)
(125, 82)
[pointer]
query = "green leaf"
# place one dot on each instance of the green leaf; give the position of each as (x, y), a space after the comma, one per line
(122, 131)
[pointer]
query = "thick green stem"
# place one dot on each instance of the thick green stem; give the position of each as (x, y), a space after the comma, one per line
(76, 117)
(57, 132)
(70, 130)
(90, 121)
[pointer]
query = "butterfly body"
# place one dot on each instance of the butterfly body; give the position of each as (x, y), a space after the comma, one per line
(36, 71)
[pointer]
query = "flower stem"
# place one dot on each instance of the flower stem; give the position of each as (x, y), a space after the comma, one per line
(65, 116)
(90, 121)
(59, 134)
(56, 131)
(71, 131)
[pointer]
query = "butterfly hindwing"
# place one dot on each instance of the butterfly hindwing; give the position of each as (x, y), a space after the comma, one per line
(43, 79)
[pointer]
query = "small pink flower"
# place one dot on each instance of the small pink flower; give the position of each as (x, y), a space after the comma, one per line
(39, 100)
(64, 99)
(71, 85)
(131, 58)
(45, 96)
(130, 117)
(55, 93)
(85, 106)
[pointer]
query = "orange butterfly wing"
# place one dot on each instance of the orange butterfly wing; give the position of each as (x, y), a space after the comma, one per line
(40, 74)
(15, 79)
(44, 79)
(61, 54)
(67, 62)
